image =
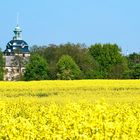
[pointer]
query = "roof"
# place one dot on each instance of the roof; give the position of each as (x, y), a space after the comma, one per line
(17, 45)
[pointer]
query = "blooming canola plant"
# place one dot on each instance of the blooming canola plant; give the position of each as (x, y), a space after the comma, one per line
(82, 109)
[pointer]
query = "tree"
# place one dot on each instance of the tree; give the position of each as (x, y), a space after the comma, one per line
(36, 69)
(133, 59)
(79, 53)
(1, 65)
(67, 68)
(134, 65)
(135, 72)
(110, 60)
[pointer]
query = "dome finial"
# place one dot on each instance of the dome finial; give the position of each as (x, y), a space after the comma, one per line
(17, 30)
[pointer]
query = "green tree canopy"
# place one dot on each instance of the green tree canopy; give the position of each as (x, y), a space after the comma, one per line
(67, 68)
(110, 60)
(134, 65)
(99, 61)
(133, 59)
(79, 53)
(135, 72)
(36, 69)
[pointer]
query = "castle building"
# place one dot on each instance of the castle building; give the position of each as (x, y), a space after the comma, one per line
(16, 55)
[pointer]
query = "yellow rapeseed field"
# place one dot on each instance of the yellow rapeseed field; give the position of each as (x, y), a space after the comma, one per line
(70, 110)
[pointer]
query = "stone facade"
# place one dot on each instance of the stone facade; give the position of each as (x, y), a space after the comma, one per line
(14, 69)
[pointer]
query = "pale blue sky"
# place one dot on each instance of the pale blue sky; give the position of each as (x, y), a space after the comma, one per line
(78, 21)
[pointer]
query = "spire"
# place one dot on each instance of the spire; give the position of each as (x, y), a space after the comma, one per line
(17, 18)
(17, 30)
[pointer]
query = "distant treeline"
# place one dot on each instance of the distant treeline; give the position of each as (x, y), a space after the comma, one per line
(99, 61)
(77, 61)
